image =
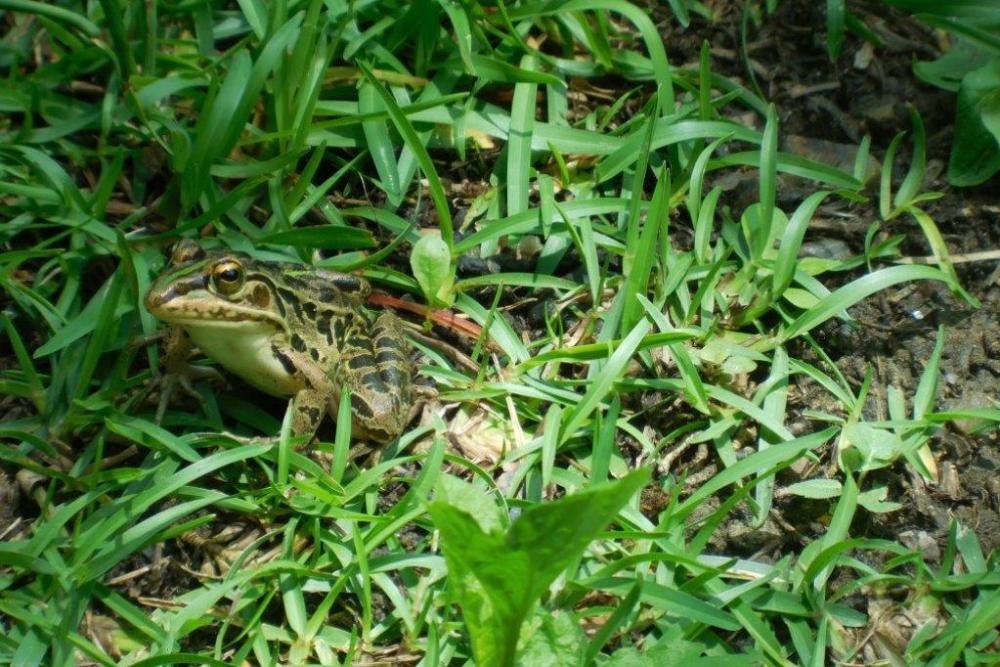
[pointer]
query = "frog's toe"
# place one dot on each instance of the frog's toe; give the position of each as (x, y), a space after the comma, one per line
(423, 392)
(181, 376)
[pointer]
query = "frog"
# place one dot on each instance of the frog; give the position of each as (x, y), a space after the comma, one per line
(290, 330)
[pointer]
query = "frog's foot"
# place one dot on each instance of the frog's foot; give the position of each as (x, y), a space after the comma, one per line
(424, 399)
(423, 392)
(181, 376)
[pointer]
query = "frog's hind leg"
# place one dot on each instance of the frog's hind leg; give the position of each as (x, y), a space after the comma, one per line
(308, 408)
(392, 355)
(309, 404)
(378, 370)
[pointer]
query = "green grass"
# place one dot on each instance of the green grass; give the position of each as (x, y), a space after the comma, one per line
(671, 321)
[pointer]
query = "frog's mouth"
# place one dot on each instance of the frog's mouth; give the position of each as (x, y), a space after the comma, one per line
(199, 308)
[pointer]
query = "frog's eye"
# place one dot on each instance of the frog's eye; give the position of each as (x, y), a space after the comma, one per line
(228, 277)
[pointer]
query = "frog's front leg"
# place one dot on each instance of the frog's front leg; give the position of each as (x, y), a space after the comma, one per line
(377, 368)
(316, 390)
(178, 373)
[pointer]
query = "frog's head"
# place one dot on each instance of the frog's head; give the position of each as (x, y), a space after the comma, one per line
(217, 289)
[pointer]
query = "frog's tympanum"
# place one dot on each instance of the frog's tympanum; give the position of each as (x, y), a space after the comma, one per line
(288, 330)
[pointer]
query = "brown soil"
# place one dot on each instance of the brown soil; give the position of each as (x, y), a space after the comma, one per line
(839, 103)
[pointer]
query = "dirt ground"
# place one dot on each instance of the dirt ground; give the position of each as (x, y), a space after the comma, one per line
(825, 109)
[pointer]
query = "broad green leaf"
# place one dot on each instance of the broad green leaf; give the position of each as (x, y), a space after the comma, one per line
(499, 577)
(430, 261)
(550, 638)
(975, 150)
(815, 488)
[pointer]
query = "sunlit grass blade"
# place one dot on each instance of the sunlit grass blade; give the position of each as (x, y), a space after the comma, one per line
(694, 388)
(910, 186)
(768, 183)
(941, 254)
(308, 94)
(635, 192)
(342, 442)
(208, 144)
(642, 22)
(885, 184)
(704, 223)
(669, 131)
(815, 565)
(36, 390)
(528, 222)
(522, 118)
(600, 387)
(758, 464)
(694, 198)
(643, 251)
(550, 442)
(854, 292)
(794, 165)
(379, 143)
(329, 237)
(409, 135)
(774, 405)
(791, 242)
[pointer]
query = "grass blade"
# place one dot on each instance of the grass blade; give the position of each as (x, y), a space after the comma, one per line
(855, 291)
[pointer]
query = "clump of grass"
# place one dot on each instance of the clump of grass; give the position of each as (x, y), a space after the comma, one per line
(670, 321)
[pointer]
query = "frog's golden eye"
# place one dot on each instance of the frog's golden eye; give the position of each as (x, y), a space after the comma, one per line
(228, 277)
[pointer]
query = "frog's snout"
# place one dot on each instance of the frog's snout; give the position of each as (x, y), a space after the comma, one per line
(159, 297)
(154, 299)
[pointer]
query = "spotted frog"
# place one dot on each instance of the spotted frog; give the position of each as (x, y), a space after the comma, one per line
(289, 330)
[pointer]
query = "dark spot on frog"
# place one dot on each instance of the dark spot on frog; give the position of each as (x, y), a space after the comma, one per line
(387, 343)
(310, 310)
(323, 326)
(359, 343)
(392, 374)
(388, 357)
(290, 297)
(267, 282)
(374, 381)
(379, 435)
(314, 414)
(361, 408)
(339, 330)
(298, 344)
(295, 281)
(347, 283)
(361, 361)
(314, 353)
(186, 251)
(283, 359)
(180, 288)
